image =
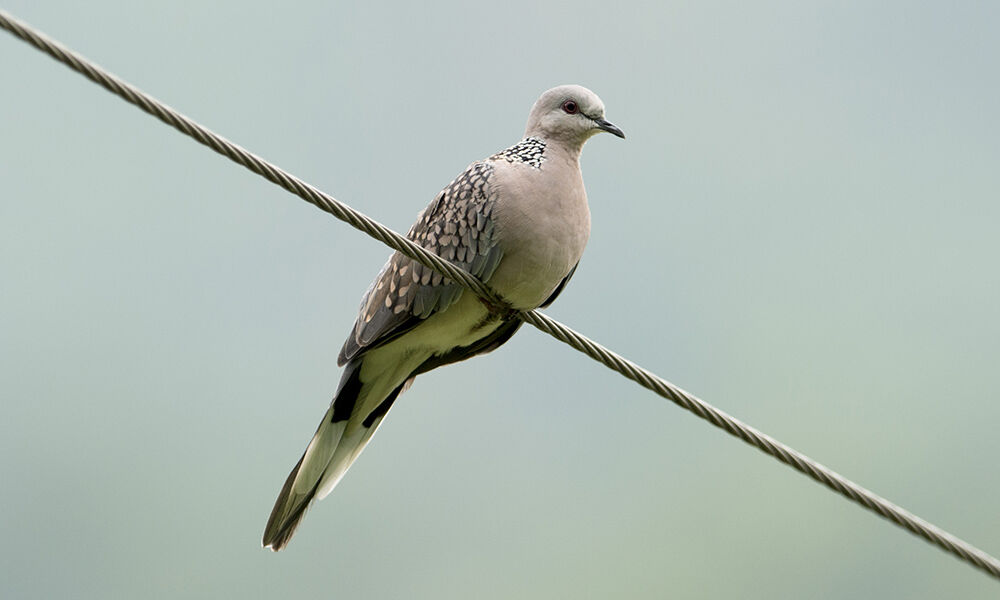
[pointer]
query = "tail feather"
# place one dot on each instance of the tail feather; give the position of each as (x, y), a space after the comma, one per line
(341, 436)
(286, 514)
(354, 441)
(302, 483)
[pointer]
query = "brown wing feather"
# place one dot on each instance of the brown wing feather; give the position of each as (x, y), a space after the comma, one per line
(457, 226)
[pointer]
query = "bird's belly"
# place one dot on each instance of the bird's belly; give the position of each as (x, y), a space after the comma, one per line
(536, 259)
(527, 283)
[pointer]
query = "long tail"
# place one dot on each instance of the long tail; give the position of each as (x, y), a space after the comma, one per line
(344, 432)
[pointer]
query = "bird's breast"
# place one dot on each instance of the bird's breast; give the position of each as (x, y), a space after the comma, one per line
(543, 223)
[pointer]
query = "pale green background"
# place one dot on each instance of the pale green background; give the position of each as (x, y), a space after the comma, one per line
(801, 228)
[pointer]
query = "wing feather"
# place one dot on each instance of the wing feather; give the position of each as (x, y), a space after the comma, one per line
(457, 226)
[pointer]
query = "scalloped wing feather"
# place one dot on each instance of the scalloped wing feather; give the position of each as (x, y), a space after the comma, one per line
(457, 226)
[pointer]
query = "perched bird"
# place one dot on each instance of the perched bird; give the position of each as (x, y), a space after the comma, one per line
(518, 221)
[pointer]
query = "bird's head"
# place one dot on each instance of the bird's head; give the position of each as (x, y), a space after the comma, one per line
(570, 114)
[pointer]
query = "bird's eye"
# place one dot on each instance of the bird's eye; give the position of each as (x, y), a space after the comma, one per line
(570, 107)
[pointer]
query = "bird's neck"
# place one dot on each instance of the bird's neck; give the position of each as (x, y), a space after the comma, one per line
(563, 151)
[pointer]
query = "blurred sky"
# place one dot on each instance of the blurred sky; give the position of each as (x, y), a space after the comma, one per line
(801, 228)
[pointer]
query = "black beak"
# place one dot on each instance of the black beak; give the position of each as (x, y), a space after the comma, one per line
(609, 127)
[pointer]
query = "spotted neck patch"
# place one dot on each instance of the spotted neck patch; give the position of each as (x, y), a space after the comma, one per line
(530, 151)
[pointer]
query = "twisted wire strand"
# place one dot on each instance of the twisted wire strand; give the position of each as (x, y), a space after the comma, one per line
(787, 455)
(765, 443)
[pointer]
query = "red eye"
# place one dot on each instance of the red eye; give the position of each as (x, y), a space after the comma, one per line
(570, 107)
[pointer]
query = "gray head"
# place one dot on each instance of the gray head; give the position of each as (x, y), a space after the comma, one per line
(570, 114)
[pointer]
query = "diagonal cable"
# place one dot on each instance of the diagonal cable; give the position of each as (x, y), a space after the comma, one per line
(791, 457)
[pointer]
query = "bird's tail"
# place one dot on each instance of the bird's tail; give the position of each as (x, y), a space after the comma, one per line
(339, 439)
